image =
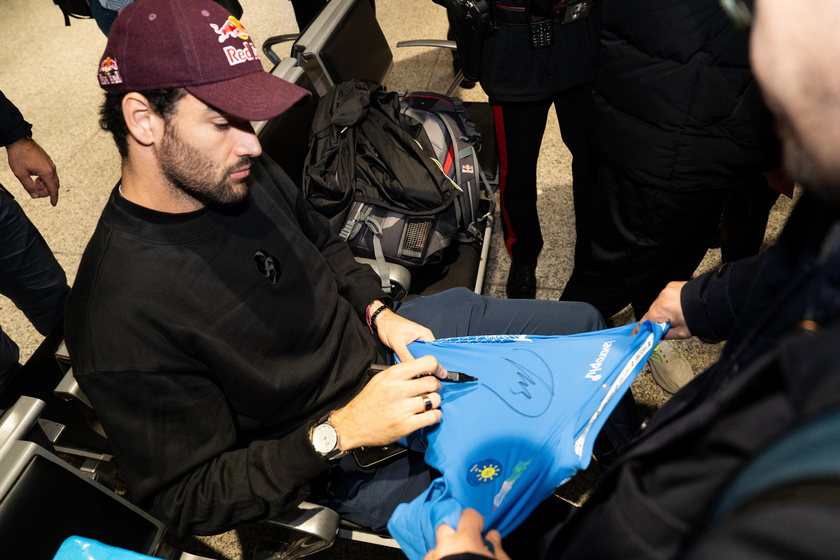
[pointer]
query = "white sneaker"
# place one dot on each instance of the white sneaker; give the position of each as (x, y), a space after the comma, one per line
(669, 368)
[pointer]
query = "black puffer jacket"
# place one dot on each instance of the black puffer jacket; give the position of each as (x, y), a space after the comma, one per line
(677, 106)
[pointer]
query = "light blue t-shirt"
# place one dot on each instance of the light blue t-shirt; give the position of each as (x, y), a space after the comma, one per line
(524, 428)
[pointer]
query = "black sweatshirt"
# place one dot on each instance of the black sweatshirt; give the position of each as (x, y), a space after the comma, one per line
(209, 343)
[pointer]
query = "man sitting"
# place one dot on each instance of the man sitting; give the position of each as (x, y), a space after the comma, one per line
(222, 334)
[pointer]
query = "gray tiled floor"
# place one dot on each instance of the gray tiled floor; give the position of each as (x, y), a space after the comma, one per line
(48, 70)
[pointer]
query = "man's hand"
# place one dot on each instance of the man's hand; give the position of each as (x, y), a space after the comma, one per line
(26, 160)
(467, 539)
(668, 309)
(397, 333)
(394, 403)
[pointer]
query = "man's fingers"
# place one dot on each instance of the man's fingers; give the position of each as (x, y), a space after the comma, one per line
(424, 419)
(49, 185)
(429, 401)
(425, 366)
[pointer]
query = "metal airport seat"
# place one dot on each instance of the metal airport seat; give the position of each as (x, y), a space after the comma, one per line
(343, 42)
(44, 500)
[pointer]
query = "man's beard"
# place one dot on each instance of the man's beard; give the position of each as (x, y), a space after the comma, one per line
(189, 171)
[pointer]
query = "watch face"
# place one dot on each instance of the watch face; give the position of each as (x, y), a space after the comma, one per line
(324, 438)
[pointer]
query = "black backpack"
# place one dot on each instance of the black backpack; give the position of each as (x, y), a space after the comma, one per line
(373, 170)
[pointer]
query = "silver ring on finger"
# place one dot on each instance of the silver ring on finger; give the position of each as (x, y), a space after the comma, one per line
(427, 403)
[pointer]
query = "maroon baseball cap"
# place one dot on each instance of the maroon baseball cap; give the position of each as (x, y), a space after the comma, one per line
(197, 45)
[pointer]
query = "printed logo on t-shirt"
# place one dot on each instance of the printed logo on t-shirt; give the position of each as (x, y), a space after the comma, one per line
(484, 472)
(267, 266)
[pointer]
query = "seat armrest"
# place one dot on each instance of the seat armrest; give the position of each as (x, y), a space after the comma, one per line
(317, 527)
(17, 420)
(319, 521)
(69, 390)
(437, 43)
(267, 45)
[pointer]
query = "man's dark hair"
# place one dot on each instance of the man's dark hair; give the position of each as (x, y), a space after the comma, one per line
(111, 117)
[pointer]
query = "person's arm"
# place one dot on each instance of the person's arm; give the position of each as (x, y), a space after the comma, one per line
(13, 126)
(179, 451)
(706, 306)
(26, 158)
(712, 302)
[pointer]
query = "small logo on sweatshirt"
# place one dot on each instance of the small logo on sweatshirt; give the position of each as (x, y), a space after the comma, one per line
(267, 266)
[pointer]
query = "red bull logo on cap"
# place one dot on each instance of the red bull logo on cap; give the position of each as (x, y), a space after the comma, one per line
(237, 56)
(231, 28)
(109, 73)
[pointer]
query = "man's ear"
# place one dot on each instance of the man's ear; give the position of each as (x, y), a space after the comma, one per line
(144, 125)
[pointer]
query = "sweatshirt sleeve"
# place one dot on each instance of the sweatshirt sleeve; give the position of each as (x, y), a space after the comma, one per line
(711, 303)
(13, 127)
(177, 447)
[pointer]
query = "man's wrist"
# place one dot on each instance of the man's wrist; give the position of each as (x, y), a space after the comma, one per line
(372, 312)
(345, 440)
(20, 141)
(326, 439)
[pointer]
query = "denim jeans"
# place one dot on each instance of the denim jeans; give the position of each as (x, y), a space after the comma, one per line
(104, 17)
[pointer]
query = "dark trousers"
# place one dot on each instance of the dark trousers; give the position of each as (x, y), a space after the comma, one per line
(30, 276)
(642, 238)
(519, 133)
(744, 219)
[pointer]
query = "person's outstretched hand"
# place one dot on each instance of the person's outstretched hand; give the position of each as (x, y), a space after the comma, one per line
(27, 160)
(668, 309)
